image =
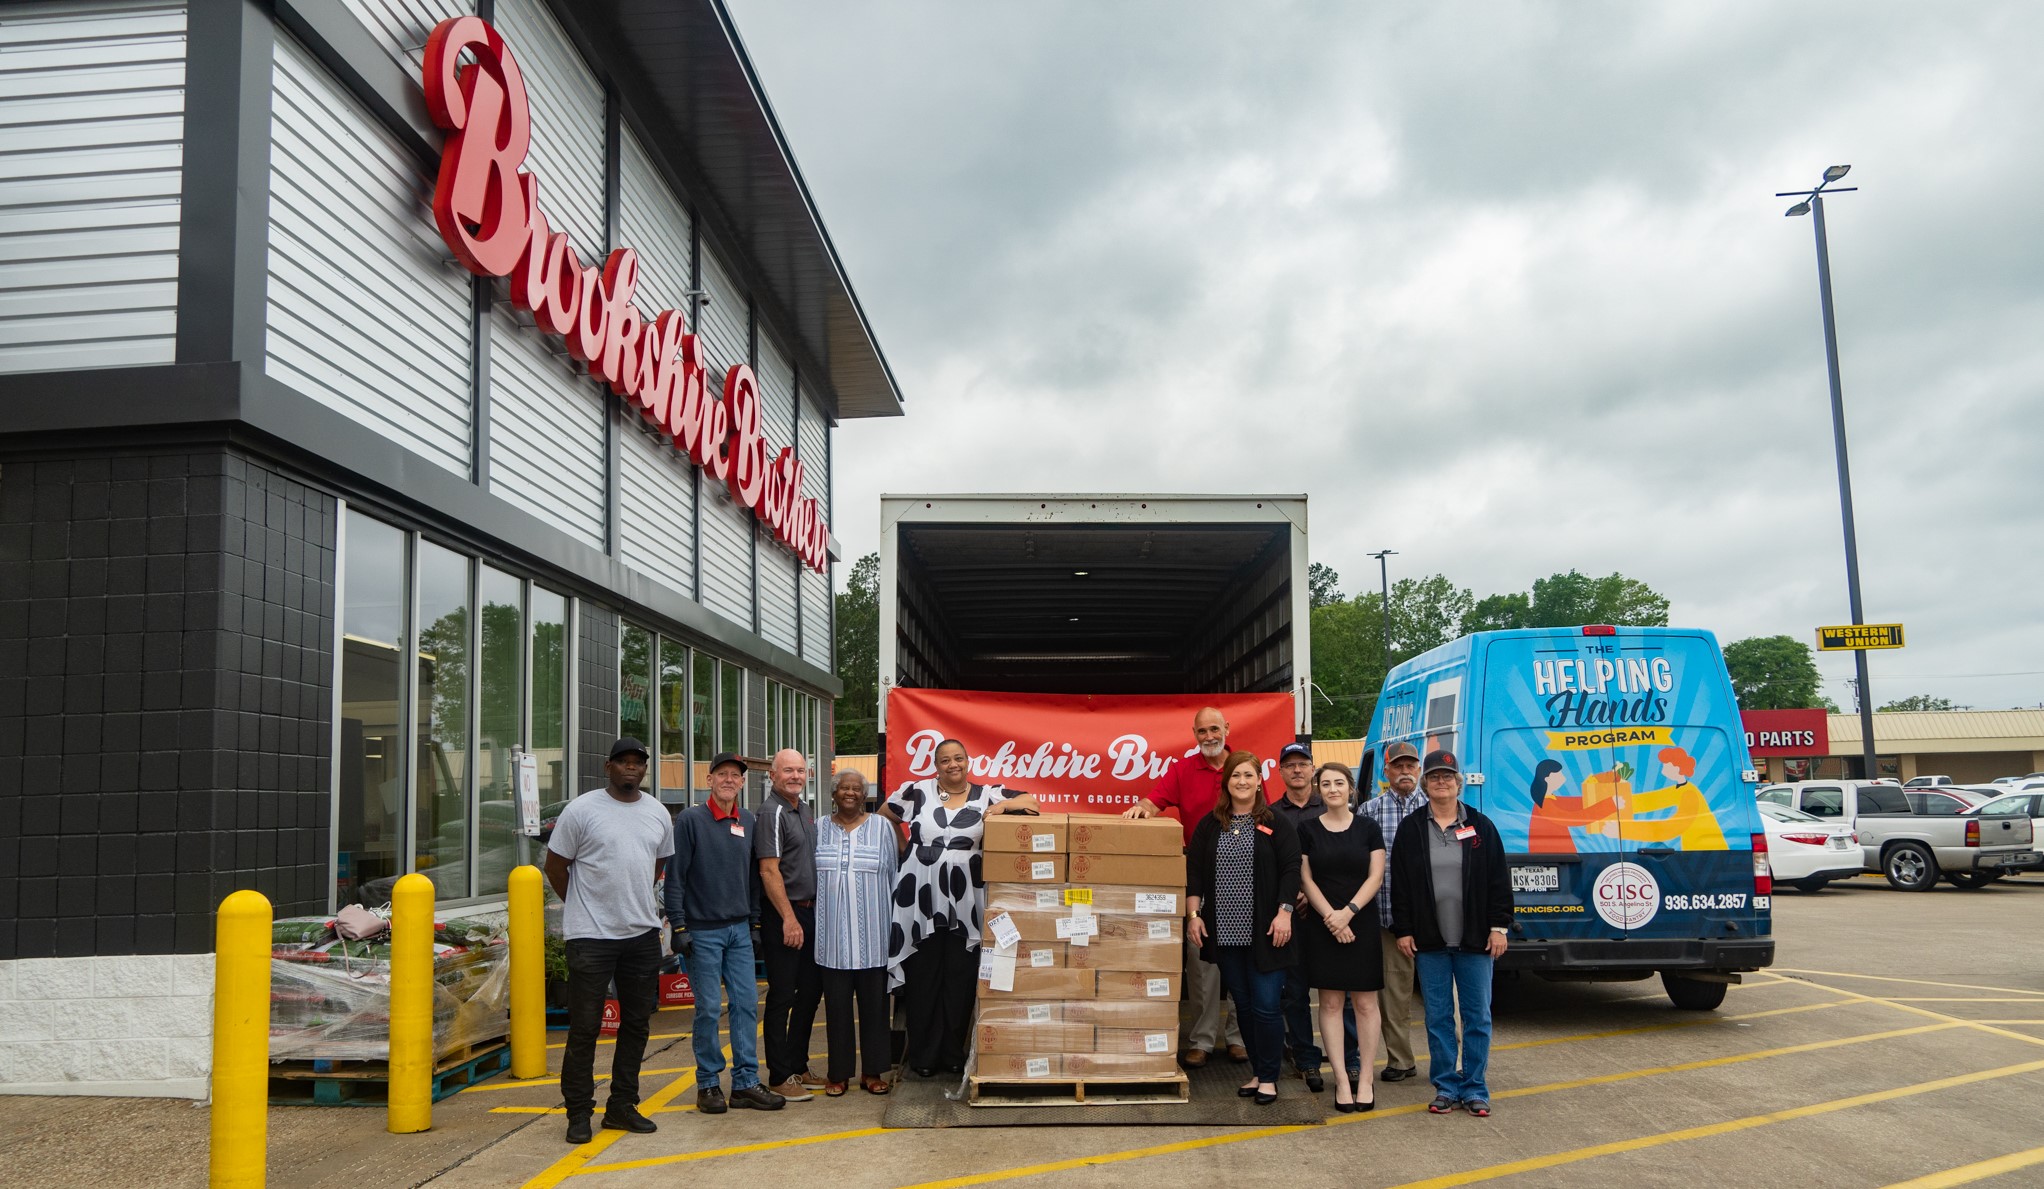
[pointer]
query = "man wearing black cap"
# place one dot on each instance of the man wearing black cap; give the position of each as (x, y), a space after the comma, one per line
(603, 861)
(1299, 805)
(1401, 796)
(1452, 910)
(709, 894)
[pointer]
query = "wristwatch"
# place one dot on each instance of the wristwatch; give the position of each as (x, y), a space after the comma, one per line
(1500, 929)
(1352, 908)
(1284, 908)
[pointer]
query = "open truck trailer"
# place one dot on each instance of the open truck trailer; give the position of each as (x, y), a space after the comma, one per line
(1094, 594)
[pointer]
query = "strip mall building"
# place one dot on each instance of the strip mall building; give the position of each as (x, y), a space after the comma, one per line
(387, 395)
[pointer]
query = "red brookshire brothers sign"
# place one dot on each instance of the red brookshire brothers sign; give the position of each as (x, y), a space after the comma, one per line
(487, 207)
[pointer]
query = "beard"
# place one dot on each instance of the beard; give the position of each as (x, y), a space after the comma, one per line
(1214, 750)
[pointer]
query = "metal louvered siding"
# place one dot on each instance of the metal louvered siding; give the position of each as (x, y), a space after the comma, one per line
(567, 123)
(653, 223)
(814, 434)
(727, 528)
(777, 563)
(546, 427)
(656, 532)
(92, 122)
(363, 311)
(400, 26)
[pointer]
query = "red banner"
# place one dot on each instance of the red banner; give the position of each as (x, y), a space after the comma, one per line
(1078, 753)
(1787, 732)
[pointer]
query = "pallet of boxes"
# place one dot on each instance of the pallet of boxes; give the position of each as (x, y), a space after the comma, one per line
(1080, 962)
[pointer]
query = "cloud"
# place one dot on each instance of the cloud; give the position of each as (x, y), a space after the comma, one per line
(1502, 287)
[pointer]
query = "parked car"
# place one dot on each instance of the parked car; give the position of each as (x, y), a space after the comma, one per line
(1912, 850)
(2029, 803)
(1808, 852)
(1924, 782)
(1944, 800)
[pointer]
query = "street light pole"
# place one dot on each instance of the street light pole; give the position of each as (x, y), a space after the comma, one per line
(1813, 205)
(1384, 608)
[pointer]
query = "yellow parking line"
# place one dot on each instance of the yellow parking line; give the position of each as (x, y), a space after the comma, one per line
(768, 1146)
(1241, 1137)
(555, 1080)
(2031, 1022)
(611, 1040)
(1966, 1174)
(568, 1165)
(1921, 982)
(1961, 999)
(1927, 1013)
(1533, 1163)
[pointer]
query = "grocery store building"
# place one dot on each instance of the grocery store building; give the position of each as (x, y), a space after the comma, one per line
(1970, 746)
(342, 464)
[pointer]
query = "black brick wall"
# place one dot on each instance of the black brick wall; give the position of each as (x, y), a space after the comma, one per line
(165, 661)
(595, 694)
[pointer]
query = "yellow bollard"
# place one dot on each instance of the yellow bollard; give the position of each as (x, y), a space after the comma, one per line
(411, 1005)
(528, 974)
(241, 1041)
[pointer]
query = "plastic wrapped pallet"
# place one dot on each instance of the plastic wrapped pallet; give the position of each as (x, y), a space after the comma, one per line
(330, 998)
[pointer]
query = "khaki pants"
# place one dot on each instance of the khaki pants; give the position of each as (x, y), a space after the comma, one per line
(1204, 1007)
(1394, 1003)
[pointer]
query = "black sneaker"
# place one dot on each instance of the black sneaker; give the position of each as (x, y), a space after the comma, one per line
(1314, 1082)
(578, 1129)
(710, 1100)
(1393, 1073)
(757, 1098)
(628, 1118)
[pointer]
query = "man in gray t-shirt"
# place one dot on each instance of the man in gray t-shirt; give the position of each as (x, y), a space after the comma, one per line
(608, 849)
(785, 846)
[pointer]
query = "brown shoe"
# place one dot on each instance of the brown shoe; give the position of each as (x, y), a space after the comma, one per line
(875, 1085)
(1193, 1058)
(793, 1090)
(834, 1089)
(812, 1080)
(1238, 1054)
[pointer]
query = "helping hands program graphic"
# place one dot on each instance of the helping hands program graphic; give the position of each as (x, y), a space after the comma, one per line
(1676, 813)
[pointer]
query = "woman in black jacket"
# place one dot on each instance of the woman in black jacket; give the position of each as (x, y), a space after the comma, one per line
(1451, 908)
(1242, 872)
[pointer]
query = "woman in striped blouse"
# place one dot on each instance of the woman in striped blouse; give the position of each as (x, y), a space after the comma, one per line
(856, 857)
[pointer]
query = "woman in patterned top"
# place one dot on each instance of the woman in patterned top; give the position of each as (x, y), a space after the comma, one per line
(1242, 870)
(939, 900)
(857, 854)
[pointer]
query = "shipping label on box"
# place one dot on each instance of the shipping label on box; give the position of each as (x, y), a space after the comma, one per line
(1024, 868)
(1097, 834)
(1148, 1015)
(1137, 984)
(1034, 983)
(1018, 1065)
(1031, 926)
(1007, 1036)
(1019, 833)
(1021, 1011)
(1144, 870)
(1125, 1065)
(1127, 955)
(1119, 927)
(1123, 900)
(1148, 1041)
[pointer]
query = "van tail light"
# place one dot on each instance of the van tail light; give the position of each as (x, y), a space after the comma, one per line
(1763, 874)
(1973, 832)
(1599, 629)
(1808, 839)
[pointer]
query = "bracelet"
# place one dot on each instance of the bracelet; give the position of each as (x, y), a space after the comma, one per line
(1500, 929)
(1284, 908)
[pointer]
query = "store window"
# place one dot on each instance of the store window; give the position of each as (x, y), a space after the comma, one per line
(730, 708)
(702, 714)
(441, 721)
(635, 685)
(674, 723)
(549, 745)
(501, 729)
(369, 779)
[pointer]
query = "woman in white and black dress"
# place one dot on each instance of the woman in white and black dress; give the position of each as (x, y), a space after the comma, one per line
(939, 903)
(1341, 867)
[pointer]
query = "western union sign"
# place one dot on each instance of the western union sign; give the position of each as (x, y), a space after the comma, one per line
(1853, 637)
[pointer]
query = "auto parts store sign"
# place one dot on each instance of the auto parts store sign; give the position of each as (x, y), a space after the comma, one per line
(1787, 732)
(487, 207)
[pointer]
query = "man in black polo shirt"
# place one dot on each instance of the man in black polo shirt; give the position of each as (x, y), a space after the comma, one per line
(1300, 804)
(786, 849)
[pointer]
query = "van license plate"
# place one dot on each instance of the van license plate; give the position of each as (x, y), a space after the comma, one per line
(1536, 879)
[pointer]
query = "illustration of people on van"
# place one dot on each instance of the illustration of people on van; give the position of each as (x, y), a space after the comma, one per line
(1550, 828)
(1689, 822)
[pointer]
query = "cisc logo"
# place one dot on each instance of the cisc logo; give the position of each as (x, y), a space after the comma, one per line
(1626, 895)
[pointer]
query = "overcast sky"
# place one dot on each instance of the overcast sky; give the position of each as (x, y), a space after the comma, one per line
(1500, 286)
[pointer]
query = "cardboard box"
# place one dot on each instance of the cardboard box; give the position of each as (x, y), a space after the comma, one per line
(1011, 1036)
(1150, 1042)
(1116, 927)
(1025, 897)
(1019, 833)
(1145, 870)
(1023, 1011)
(1055, 983)
(1123, 1065)
(1033, 926)
(1127, 955)
(1151, 903)
(1149, 1015)
(1136, 984)
(1031, 955)
(1023, 868)
(1018, 1065)
(1100, 834)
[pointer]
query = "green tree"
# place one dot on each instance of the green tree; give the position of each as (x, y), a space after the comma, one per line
(1772, 673)
(1924, 702)
(858, 659)
(1570, 600)
(1348, 647)
(1323, 585)
(1426, 613)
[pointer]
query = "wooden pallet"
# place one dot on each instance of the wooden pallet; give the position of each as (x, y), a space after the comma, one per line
(1099, 1091)
(367, 1083)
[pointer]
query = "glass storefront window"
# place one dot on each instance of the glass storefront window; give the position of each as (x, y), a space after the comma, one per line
(730, 705)
(441, 721)
(703, 722)
(502, 720)
(549, 744)
(370, 774)
(674, 723)
(635, 688)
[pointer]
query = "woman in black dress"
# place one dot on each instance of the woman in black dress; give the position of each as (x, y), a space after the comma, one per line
(1340, 870)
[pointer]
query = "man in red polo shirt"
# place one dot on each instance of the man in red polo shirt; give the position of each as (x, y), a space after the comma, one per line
(1192, 786)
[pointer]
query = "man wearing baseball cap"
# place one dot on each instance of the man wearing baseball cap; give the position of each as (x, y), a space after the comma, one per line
(709, 894)
(1451, 907)
(603, 861)
(1398, 800)
(1299, 805)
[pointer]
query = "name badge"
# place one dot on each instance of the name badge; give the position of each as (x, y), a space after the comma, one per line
(1465, 833)
(1263, 829)
(737, 831)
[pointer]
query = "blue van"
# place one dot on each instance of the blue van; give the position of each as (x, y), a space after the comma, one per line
(1614, 763)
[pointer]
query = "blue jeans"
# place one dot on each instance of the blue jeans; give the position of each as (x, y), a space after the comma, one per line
(1446, 978)
(1257, 996)
(721, 963)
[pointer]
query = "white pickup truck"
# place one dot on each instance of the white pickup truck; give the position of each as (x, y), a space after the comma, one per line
(1912, 850)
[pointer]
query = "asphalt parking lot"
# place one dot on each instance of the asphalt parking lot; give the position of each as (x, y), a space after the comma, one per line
(1900, 1041)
